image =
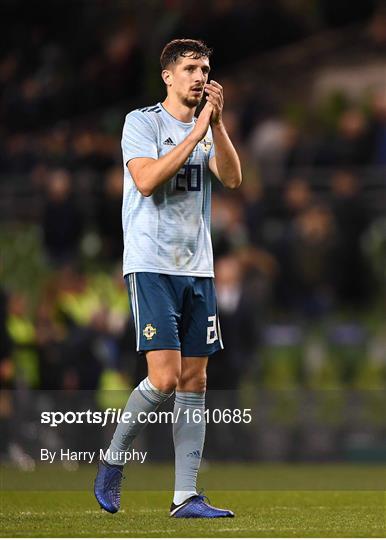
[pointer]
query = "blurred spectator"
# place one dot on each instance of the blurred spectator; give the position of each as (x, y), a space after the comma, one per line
(50, 338)
(122, 63)
(352, 145)
(377, 28)
(240, 320)
(6, 378)
(90, 150)
(238, 317)
(255, 212)
(16, 364)
(297, 197)
(306, 255)
(6, 364)
(353, 277)
(21, 328)
(62, 220)
(85, 351)
(268, 149)
(379, 126)
(228, 224)
(279, 148)
(109, 219)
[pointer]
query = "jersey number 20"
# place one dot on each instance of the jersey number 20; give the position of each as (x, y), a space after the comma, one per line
(188, 178)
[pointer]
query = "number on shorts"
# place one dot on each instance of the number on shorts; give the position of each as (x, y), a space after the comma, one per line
(211, 331)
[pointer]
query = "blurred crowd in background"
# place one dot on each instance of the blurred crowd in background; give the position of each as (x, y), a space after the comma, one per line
(300, 248)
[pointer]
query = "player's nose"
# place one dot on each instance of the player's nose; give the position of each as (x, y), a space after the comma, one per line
(200, 77)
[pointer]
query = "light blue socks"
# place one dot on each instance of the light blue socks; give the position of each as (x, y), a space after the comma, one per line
(188, 436)
(188, 433)
(145, 398)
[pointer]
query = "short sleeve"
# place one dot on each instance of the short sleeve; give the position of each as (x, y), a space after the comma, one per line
(138, 137)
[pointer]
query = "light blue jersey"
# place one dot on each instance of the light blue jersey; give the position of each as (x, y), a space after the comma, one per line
(168, 232)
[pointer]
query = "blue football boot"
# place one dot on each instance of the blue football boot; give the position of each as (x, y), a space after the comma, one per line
(196, 507)
(107, 486)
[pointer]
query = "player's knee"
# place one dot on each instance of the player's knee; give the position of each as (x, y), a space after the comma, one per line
(199, 383)
(193, 382)
(167, 382)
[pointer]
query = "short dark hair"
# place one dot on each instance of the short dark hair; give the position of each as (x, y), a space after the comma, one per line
(193, 48)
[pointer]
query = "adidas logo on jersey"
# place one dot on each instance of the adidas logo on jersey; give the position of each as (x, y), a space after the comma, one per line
(169, 142)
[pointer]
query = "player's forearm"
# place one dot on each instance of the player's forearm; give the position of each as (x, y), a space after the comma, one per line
(158, 172)
(227, 160)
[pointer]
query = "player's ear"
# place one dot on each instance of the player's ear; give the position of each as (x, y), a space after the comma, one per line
(167, 77)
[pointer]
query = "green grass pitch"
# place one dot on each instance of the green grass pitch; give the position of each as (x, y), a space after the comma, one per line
(279, 512)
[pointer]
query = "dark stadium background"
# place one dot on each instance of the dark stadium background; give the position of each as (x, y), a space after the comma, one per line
(300, 249)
